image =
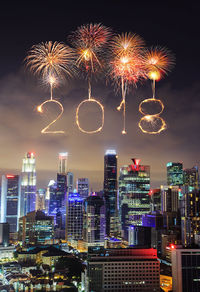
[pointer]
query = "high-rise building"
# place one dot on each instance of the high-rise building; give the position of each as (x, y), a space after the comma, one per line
(139, 236)
(169, 198)
(190, 215)
(40, 200)
(155, 195)
(118, 270)
(36, 228)
(174, 174)
(134, 198)
(110, 191)
(70, 182)
(82, 186)
(11, 200)
(94, 221)
(4, 234)
(63, 162)
(28, 184)
(186, 269)
(61, 198)
(74, 217)
(191, 177)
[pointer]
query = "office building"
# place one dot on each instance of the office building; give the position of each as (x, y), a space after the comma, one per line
(82, 186)
(190, 215)
(110, 191)
(118, 270)
(63, 163)
(36, 228)
(155, 196)
(185, 269)
(191, 177)
(11, 200)
(4, 234)
(139, 236)
(51, 193)
(70, 182)
(169, 198)
(134, 199)
(74, 218)
(174, 174)
(94, 221)
(28, 184)
(40, 200)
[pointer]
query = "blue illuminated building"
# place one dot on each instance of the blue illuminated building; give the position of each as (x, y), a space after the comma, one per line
(74, 217)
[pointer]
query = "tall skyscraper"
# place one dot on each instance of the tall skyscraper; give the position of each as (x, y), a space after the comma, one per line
(28, 184)
(70, 182)
(82, 186)
(94, 221)
(191, 177)
(63, 162)
(174, 174)
(74, 217)
(169, 198)
(190, 215)
(110, 191)
(40, 200)
(11, 200)
(134, 198)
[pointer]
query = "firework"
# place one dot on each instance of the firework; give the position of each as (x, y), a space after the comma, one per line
(89, 40)
(127, 66)
(151, 101)
(50, 59)
(159, 61)
(155, 122)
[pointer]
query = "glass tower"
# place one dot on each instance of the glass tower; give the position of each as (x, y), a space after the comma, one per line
(82, 187)
(191, 177)
(174, 174)
(28, 184)
(110, 191)
(10, 200)
(134, 198)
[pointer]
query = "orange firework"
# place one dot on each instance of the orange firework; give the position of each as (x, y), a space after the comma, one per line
(89, 40)
(50, 59)
(127, 66)
(127, 44)
(159, 61)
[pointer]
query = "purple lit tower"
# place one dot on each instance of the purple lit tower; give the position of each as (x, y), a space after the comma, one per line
(28, 184)
(94, 221)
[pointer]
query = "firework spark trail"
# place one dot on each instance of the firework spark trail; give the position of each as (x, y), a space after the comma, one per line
(158, 61)
(51, 61)
(127, 66)
(89, 41)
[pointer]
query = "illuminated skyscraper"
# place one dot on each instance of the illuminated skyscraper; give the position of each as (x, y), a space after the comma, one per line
(134, 198)
(110, 191)
(40, 200)
(74, 217)
(82, 186)
(70, 182)
(94, 221)
(191, 177)
(28, 183)
(63, 162)
(174, 174)
(11, 200)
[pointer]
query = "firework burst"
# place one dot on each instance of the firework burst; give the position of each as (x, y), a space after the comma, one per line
(89, 40)
(159, 61)
(50, 58)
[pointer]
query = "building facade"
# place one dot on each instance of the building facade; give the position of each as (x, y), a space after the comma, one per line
(28, 183)
(82, 186)
(94, 221)
(11, 201)
(110, 191)
(134, 198)
(174, 174)
(121, 270)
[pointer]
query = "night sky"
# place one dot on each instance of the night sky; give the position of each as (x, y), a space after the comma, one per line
(159, 23)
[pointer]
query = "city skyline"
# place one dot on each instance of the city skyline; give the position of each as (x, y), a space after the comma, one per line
(21, 93)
